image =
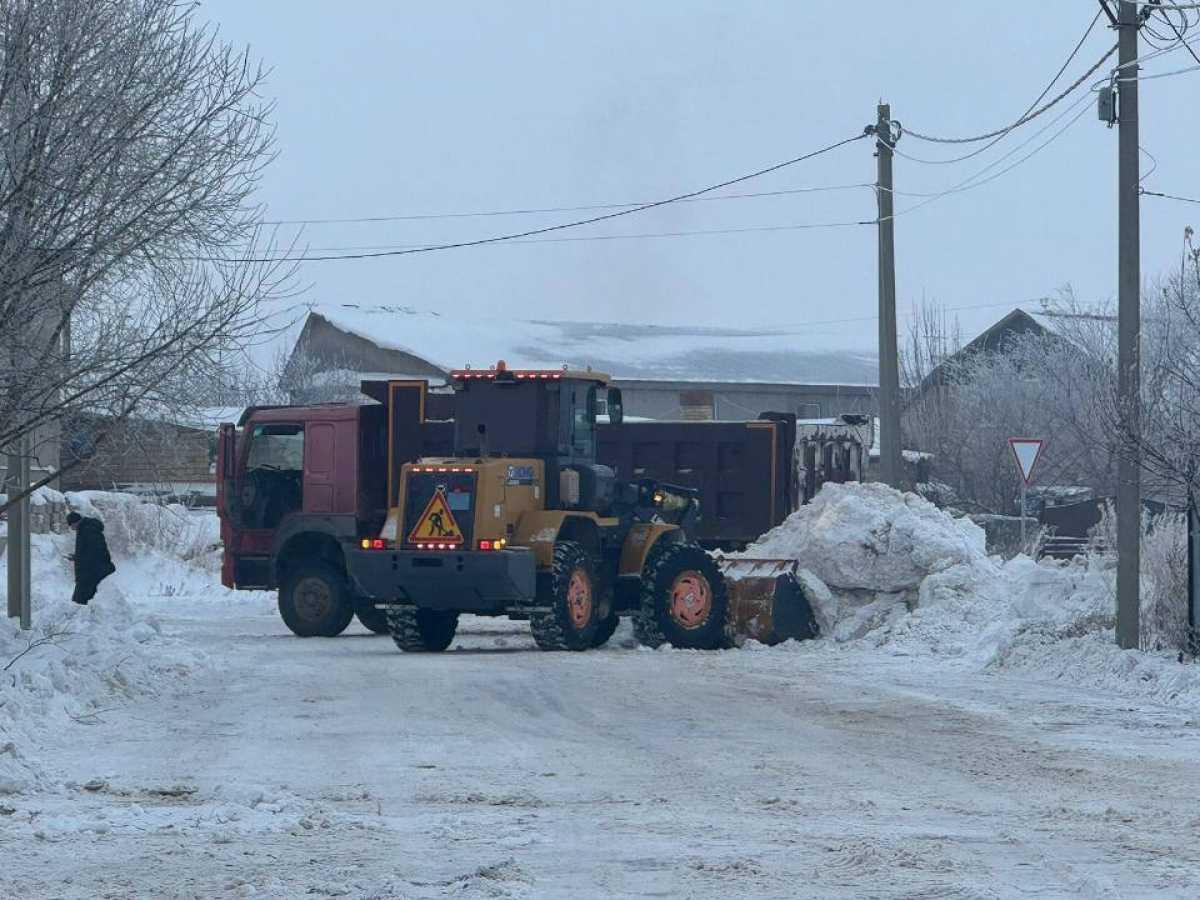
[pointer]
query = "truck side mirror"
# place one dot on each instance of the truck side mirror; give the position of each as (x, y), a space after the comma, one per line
(616, 411)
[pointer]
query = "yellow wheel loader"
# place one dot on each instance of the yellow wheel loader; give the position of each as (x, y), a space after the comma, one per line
(522, 521)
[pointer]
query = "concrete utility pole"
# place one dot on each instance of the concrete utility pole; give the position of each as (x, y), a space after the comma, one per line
(17, 475)
(1129, 286)
(889, 363)
(18, 478)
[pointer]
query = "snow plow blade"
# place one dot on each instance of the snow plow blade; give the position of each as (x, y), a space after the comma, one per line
(767, 602)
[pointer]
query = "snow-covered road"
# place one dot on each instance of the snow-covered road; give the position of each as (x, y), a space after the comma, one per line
(344, 768)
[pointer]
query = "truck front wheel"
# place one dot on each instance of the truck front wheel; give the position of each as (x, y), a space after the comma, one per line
(315, 601)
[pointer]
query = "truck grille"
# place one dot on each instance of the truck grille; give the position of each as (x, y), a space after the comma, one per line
(439, 510)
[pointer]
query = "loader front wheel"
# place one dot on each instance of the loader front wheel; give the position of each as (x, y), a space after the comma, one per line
(572, 619)
(684, 602)
(416, 630)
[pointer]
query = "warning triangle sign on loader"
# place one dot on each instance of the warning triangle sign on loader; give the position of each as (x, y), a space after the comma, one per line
(436, 523)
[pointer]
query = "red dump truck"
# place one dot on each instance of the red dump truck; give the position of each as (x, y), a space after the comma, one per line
(297, 486)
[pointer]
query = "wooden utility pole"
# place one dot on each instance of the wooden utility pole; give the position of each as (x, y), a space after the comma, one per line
(889, 363)
(1129, 286)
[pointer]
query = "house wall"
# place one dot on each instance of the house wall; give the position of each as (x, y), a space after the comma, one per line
(727, 402)
(137, 452)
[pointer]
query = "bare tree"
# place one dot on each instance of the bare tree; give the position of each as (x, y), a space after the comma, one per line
(128, 233)
(965, 403)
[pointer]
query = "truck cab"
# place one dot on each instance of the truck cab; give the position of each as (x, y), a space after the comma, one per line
(295, 487)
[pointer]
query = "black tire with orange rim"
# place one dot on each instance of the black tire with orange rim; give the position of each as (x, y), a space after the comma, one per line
(684, 602)
(573, 596)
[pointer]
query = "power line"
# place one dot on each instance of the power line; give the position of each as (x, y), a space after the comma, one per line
(598, 237)
(1080, 107)
(416, 217)
(1146, 193)
(1179, 34)
(561, 226)
(1028, 117)
(1029, 109)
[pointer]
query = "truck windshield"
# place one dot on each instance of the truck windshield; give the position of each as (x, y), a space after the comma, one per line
(273, 485)
(279, 447)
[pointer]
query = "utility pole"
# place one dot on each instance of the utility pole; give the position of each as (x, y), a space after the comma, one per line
(1129, 286)
(17, 475)
(889, 363)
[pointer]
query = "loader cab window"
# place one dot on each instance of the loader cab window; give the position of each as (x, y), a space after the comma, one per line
(272, 486)
(583, 416)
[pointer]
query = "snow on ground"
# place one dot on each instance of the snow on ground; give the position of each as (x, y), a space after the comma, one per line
(957, 737)
(78, 662)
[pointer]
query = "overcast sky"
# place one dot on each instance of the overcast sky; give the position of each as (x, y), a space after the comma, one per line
(388, 109)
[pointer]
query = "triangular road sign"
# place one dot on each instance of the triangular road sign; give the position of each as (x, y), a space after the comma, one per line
(436, 523)
(1027, 452)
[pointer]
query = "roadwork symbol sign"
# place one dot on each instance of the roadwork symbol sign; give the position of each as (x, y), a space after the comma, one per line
(436, 523)
(1027, 452)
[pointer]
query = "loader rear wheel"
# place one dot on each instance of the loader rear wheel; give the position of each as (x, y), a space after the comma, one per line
(605, 629)
(684, 602)
(314, 601)
(417, 630)
(572, 595)
(372, 619)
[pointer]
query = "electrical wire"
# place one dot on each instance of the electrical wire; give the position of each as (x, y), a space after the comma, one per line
(496, 239)
(1029, 109)
(1180, 34)
(974, 181)
(1162, 74)
(557, 209)
(1028, 117)
(1153, 163)
(1146, 193)
(596, 237)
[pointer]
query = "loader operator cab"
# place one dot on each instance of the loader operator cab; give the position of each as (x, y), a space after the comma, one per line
(546, 415)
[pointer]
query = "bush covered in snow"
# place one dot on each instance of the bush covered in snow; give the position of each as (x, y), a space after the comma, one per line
(1163, 618)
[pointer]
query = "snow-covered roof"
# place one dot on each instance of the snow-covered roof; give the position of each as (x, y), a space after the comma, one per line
(651, 352)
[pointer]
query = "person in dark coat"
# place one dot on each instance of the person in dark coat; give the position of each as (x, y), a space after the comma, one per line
(92, 562)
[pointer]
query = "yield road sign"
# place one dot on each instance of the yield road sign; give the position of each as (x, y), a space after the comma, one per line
(1027, 452)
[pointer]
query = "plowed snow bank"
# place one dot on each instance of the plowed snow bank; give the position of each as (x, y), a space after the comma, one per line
(891, 570)
(870, 537)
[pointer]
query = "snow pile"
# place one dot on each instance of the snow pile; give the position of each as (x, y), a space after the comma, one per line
(891, 570)
(79, 661)
(869, 537)
(74, 664)
(135, 528)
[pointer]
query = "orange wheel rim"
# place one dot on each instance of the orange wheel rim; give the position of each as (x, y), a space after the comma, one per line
(579, 599)
(691, 599)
